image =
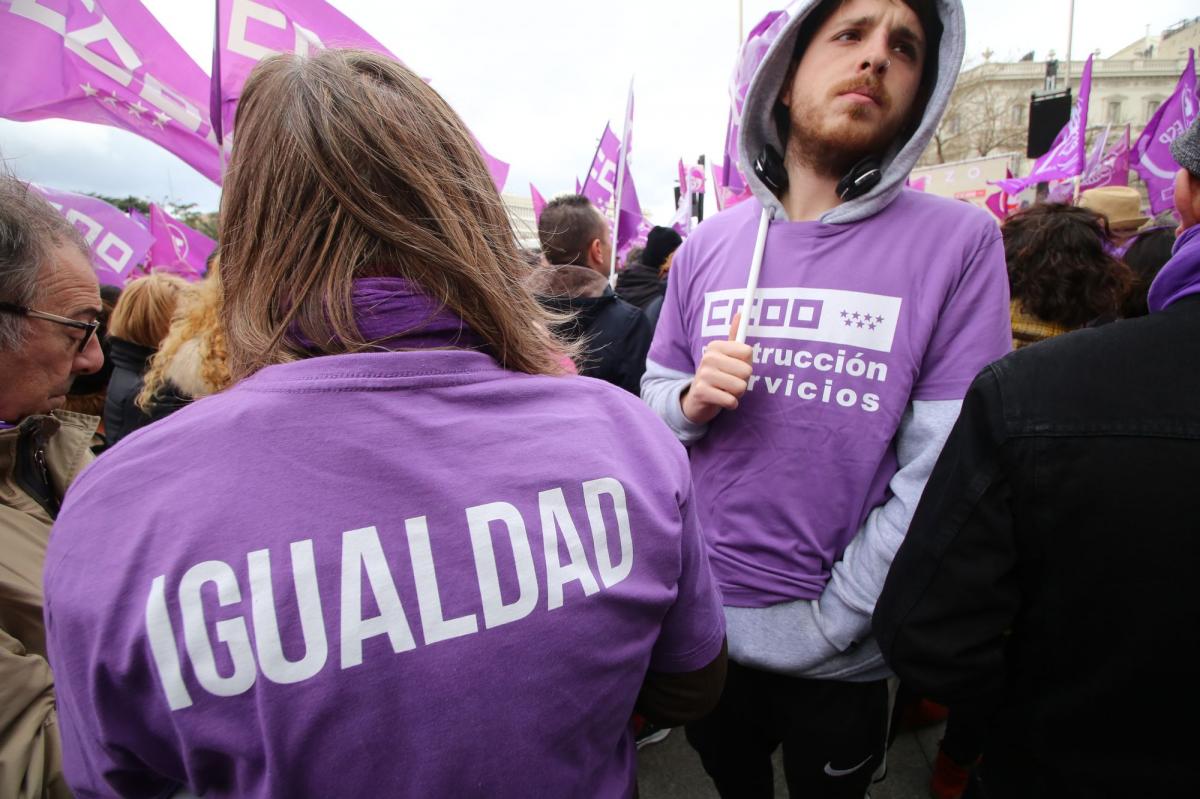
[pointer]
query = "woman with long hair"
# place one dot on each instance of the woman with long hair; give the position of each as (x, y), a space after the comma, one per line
(404, 554)
(139, 323)
(191, 362)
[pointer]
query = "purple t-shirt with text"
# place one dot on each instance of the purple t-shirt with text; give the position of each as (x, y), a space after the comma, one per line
(379, 574)
(849, 324)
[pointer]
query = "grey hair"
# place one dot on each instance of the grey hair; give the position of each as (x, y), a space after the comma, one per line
(30, 228)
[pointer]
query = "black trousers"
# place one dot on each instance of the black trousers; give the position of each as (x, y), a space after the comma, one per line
(833, 735)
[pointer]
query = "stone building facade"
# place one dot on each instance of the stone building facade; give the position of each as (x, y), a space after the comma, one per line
(989, 110)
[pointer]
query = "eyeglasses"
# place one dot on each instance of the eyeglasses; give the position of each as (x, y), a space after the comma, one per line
(89, 328)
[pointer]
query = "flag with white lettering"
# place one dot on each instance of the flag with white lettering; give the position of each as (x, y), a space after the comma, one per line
(117, 243)
(108, 62)
(1152, 158)
(1111, 169)
(1067, 157)
(250, 30)
(600, 187)
(177, 248)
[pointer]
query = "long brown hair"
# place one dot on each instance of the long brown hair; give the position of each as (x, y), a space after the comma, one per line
(348, 165)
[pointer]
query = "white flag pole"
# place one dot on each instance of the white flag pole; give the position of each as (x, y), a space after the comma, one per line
(760, 244)
(622, 156)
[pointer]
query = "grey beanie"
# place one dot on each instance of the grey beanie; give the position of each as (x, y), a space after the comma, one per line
(1186, 148)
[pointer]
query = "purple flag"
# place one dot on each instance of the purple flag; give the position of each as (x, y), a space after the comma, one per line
(250, 30)
(1067, 157)
(140, 218)
(539, 202)
(117, 243)
(600, 187)
(1152, 157)
(732, 181)
(177, 248)
(691, 184)
(578, 187)
(601, 182)
(1112, 168)
(107, 62)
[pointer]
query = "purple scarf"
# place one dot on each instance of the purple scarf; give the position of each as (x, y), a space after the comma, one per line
(396, 315)
(1180, 276)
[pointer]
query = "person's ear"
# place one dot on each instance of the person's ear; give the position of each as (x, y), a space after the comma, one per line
(596, 251)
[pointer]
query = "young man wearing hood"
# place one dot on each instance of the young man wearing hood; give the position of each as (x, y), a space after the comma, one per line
(810, 444)
(1049, 572)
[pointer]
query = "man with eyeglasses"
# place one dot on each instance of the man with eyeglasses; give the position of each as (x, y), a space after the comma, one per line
(49, 301)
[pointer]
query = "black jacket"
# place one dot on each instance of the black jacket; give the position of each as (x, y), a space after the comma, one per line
(616, 335)
(121, 414)
(640, 285)
(1049, 574)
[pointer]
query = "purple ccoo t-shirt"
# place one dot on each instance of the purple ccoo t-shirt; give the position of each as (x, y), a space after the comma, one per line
(382, 574)
(849, 324)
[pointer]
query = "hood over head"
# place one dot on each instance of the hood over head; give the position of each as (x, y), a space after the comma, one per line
(758, 118)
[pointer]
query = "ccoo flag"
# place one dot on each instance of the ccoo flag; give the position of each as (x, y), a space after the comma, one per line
(1113, 167)
(1152, 158)
(177, 248)
(116, 242)
(108, 62)
(250, 30)
(1067, 157)
(600, 187)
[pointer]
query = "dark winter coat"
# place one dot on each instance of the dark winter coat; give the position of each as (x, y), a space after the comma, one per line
(615, 334)
(121, 414)
(639, 285)
(1050, 568)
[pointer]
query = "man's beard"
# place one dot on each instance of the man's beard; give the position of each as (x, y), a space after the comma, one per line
(831, 150)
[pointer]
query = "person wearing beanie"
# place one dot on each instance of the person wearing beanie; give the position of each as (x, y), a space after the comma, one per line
(1047, 572)
(644, 280)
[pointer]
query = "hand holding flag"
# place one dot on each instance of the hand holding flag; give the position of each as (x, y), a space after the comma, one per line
(722, 377)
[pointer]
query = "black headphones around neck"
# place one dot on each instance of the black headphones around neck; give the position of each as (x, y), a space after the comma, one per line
(862, 177)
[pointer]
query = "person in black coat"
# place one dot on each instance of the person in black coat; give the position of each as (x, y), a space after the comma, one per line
(645, 279)
(615, 334)
(140, 321)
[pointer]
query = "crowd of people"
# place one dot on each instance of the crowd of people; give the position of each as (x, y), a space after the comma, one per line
(588, 515)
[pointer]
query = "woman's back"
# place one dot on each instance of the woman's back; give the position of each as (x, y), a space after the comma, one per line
(427, 576)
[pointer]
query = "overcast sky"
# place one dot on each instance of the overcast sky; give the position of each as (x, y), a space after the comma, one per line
(536, 80)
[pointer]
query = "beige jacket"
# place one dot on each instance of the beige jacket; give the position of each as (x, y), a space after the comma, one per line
(30, 751)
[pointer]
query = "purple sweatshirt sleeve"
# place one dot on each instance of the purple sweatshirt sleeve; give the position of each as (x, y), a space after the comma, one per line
(974, 327)
(694, 627)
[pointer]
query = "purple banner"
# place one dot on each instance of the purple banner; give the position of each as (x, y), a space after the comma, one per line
(250, 30)
(1111, 169)
(539, 202)
(117, 243)
(600, 186)
(108, 62)
(1067, 157)
(1152, 158)
(177, 248)
(732, 188)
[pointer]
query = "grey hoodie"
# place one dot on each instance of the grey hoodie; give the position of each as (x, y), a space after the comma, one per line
(758, 127)
(830, 638)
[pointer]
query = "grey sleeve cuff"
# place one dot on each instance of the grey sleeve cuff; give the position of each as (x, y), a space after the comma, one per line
(845, 607)
(661, 388)
(829, 638)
